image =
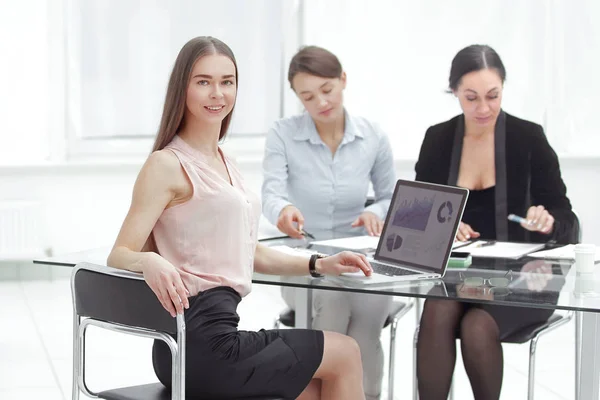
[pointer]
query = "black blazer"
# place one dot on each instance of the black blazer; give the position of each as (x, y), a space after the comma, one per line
(526, 166)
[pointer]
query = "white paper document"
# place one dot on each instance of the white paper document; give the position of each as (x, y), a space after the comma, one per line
(366, 243)
(501, 249)
(294, 251)
(561, 253)
(352, 243)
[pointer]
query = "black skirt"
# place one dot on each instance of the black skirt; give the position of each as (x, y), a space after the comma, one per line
(225, 363)
(510, 320)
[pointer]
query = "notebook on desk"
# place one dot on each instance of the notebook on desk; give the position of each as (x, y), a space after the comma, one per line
(417, 236)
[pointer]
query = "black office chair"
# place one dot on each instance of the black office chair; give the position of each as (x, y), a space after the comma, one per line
(398, 309)
(530, 333)
(121, 301)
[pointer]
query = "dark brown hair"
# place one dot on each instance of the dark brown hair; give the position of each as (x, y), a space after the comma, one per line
(474, 58)
(173, 110)
(316, 61)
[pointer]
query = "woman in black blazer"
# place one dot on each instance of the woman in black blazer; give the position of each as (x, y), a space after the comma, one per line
(510, 168)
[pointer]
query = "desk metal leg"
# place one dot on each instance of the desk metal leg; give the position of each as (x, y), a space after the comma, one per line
(588, 373)
(578, 331)
(303, 308)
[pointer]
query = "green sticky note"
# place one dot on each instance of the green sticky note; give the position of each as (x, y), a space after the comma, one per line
(460, 262)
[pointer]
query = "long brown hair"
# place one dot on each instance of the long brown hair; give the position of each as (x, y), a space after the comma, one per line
(173, 110)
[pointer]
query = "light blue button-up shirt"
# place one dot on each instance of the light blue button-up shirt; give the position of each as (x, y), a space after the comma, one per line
(329, 190)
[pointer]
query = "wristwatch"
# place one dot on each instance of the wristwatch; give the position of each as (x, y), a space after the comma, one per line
(312, 265)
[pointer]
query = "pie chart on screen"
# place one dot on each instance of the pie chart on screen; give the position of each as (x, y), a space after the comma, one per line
(393, 242)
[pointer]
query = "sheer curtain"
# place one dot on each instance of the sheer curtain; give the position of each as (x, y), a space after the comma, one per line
(397, 55)
(25, 90)
(572, 105)
(120, 54)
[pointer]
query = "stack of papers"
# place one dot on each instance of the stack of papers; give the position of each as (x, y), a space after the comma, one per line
(501, 249)
(561, 253)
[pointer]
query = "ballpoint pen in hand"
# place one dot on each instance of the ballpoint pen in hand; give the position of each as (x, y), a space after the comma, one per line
(485, 244)
(310, 235)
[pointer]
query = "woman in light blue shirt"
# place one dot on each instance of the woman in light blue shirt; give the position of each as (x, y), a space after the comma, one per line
(317, 169)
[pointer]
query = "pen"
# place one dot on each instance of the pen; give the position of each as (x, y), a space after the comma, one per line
(519, 220)
(486, 244)
(303, 232)
(310, 235)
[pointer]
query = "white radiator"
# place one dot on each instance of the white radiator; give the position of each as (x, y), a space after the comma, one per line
(21, 236)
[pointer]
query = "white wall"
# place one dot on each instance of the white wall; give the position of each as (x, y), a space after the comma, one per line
(85, 205)
(397, 54)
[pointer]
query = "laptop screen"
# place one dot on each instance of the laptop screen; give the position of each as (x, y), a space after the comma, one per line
(421, 224)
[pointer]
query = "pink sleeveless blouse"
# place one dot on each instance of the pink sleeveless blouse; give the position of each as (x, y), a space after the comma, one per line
(212, 237)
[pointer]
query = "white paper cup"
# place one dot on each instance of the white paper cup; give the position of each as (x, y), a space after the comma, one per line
(585, 257)
(584, 285)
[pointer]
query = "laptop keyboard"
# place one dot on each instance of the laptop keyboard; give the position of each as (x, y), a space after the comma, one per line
(385, 269)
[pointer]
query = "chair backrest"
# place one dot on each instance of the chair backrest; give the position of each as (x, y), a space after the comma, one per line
(117, 296)
(577, 229)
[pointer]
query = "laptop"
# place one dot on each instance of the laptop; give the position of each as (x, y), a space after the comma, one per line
(418, 234)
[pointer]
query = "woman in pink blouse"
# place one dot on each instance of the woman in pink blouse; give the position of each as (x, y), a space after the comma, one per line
(191, 231)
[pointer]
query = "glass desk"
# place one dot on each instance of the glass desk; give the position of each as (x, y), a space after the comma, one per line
(533, 283)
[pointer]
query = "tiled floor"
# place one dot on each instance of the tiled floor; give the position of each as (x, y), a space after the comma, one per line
(36, 356)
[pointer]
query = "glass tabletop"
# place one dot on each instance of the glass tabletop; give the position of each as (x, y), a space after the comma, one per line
(524, 282)
(530, 283)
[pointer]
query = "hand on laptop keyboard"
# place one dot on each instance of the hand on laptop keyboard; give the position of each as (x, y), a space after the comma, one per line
(344, 262)
(388, 270)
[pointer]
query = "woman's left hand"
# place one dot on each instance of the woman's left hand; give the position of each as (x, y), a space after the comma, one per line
(539, 220)
(371, 222)
(346, 261)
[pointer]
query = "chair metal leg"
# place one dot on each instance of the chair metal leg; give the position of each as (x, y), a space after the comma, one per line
(415, 380)
(179, 393)
(531, 378)
(83, 325)
(177, 359)
(76, 366)
(533, 347)
(578, 333)
(393, 329)
(391, 369)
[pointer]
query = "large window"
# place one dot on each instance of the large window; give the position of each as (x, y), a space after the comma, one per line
(120, 54)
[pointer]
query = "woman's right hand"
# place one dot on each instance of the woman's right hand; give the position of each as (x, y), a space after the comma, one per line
(166, 283)
(465, 232)
(291, 222)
